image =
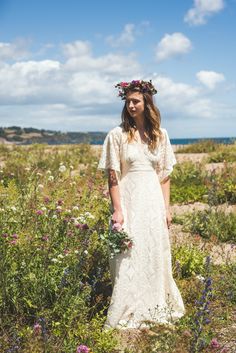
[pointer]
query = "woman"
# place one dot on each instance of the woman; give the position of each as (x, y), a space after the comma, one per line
(138, 159)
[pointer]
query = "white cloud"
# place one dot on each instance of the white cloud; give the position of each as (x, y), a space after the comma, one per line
(77, 49)
(210, 78)
(172, 45)
(13, 51)
(126, 37)
(183, 100)
(82, 79)
(201, 10)
(28, 80)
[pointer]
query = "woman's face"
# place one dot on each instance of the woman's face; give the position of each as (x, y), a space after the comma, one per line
(135, 104)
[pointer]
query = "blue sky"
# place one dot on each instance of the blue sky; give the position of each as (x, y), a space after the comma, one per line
(60, 60)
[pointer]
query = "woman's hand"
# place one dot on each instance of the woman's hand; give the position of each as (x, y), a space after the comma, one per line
(168, 218)
(117, 217)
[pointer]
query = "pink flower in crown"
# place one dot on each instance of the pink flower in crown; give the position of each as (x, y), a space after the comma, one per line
(117, 227)
(124, 84)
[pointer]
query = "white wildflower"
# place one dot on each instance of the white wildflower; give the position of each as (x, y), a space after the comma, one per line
(201, 278)
(39, 174)
(44, 208)
(13, 208)
(48, 172)
(89, 215)
(86, 252)
(40, 187)
(75, 208)
(62, 169)
(54, 260)
(54, 216)
(60, 256)
(51, 178)
(76, 251)
(71, 167)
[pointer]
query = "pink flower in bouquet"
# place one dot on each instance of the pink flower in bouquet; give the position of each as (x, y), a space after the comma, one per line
(130, 244)
(117, 227)
(82, 349)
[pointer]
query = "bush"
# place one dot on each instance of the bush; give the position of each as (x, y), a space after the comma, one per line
(209, 223)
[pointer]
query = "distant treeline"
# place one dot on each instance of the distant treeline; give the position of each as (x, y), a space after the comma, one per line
(27, 136)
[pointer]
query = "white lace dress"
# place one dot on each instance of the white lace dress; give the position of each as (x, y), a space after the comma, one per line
(143, 285)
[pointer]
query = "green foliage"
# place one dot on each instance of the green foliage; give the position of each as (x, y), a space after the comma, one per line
(203, 146)
(187, 261)
(211, 223)
(187, 183)
(224, 153)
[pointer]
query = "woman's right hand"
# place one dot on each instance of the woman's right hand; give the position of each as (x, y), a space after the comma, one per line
(117, 217)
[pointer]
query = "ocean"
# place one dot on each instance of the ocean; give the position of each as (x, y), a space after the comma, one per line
(188, 141)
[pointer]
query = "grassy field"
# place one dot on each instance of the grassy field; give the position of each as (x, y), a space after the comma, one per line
(54, 269)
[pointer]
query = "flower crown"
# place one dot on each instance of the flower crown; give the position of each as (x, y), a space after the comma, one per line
(140, 85)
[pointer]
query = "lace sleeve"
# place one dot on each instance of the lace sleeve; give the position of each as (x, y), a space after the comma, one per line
(167, 158)
(110, 157)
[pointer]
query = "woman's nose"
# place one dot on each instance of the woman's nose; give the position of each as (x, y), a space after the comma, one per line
(131, 104)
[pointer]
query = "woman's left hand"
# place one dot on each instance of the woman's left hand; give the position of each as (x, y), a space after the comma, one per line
(168, 218)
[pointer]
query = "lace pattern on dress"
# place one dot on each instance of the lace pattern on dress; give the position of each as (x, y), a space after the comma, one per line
(110, 157)
(167, 158)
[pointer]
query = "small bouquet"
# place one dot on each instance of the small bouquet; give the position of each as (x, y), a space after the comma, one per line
(118, 240)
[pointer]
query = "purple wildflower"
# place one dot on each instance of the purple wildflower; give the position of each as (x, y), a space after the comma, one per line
(39, 212)
(37, 328)
(82, 349)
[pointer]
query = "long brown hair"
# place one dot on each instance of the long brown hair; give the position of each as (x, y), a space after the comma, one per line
(152, 122)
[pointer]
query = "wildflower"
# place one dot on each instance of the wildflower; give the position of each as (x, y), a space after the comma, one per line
(75, 208)
(214, 343)
(39, 212)
(48, 172)
(45, 238)
(13, 208)
(37, 328)
(54, 260)
(60, 256)
(89, 215)
(117, 227)
(58, 209)
(4, 235)
(51, 178)
(76, 251)
(60, 202)
(13, 242)
(201, 278)
(54, 216)
(85, 226)
(62, 168)
(40, 187)
(39, 174)
(14, 236)
(86, 252)
(46, 199)
(82, 349)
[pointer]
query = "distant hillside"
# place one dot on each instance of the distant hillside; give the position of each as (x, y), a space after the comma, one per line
(27, 136)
